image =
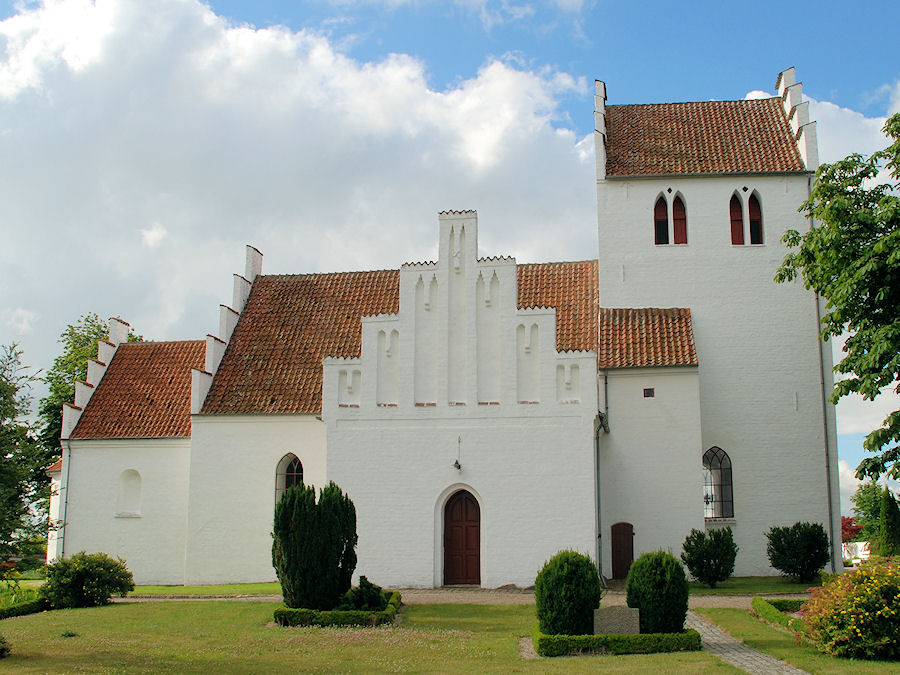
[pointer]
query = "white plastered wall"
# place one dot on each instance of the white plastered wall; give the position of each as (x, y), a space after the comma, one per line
(232, 491)
(476, 380)
(761, 365)
(649, 472)
(149, 532)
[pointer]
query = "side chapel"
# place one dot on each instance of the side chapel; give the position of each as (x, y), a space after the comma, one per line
(483, 414)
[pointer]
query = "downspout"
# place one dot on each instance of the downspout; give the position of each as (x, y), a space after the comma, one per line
(828, 468)
(602, 423)
(64, 488)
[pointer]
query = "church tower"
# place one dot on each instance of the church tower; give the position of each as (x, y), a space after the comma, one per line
(693, 199)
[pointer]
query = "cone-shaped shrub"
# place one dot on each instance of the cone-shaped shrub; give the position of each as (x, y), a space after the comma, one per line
(313, 548)
(889, 531)
(656, 585)
(567, 591)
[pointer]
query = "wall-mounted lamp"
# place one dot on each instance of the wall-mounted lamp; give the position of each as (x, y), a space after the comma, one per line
(457, 465)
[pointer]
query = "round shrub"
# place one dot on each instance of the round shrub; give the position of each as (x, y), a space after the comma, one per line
(857, 614)
(567, 591)
(798, 551)
(86, 580)
(709, 556)
(656, 585)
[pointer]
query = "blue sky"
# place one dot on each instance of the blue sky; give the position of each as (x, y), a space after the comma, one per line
(142, 144)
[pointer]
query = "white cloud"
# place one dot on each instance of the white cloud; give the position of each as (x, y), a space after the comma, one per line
(164, 113)
(20, 320)
(154, 234)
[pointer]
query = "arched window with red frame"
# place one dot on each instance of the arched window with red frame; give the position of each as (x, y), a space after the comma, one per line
(661, 222)
(679, 215)
(755, 213)
(737, 221)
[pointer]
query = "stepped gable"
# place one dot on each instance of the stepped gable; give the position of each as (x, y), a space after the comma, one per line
(273, 362)
(572, 289)
(646, 337)
(145, 392)
(706, 137)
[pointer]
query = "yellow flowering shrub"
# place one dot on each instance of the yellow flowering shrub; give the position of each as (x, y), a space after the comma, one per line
(857, 614)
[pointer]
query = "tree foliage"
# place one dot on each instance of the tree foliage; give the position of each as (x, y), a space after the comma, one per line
(889, 531)
(79, 343)
(19, 459)
(314, 546)
(867, 507)
(851, 257)
(849, 529)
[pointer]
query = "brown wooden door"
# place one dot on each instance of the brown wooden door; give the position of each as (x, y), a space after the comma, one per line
(462, 540)
(622, 549)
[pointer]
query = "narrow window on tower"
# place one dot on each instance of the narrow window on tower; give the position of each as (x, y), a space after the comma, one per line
(756, 231)
(661, 222)
(737, 221)
(679, 215)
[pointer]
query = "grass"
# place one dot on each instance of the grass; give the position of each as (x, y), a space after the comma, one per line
(240, 637)
(225, 590)
(783, 645)
(750, 586)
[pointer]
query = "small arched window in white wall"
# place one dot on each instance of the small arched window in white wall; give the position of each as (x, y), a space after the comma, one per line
(718, 492)
(288, 474)
(129, 502)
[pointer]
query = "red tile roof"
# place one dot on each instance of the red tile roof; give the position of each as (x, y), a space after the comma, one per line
(145, 392)
(707, 137)
(572, 288)
(645, 337)
(56, 466)
(273, 363)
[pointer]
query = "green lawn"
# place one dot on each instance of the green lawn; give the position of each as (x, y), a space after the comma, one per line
(273, 588)
(240, 637)
(783, 645)
(750, 586)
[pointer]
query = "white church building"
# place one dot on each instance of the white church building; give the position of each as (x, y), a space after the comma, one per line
(484, 414)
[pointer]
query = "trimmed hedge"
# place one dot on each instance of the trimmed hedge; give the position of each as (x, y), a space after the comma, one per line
(773, 611)
(286, 616)
(645, 643)
(23, 608)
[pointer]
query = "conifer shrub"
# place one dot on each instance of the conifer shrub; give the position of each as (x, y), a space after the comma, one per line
(857, 614)
(314, 546)
(889, 530)
(567, 590)
(86, 580)
(366, 597)
(657, 586)
(709, 556)
(798, 551)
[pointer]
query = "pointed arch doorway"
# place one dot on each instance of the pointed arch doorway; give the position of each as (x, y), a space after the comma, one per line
(462, 540)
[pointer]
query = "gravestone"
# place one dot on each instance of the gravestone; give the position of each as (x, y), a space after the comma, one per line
(616, 620)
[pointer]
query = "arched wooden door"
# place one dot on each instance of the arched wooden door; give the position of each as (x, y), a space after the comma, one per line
(622, 549)
(462, 540)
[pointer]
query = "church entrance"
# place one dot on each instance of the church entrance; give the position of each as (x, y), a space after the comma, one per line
(622, 549)
(462, 540)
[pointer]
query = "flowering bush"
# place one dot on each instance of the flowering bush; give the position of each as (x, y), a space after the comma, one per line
(86, 580)
(857, 615)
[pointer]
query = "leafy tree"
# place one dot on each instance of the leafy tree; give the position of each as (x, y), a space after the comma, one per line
(79, 343)
(19, 458)
(849, 529)
(867, 507)
(889, 532)
(851, 257)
